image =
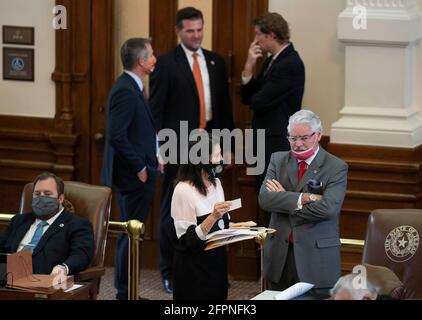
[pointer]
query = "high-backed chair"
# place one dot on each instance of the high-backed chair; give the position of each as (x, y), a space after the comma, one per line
(385, 280)
(93, 203)
(393, 240)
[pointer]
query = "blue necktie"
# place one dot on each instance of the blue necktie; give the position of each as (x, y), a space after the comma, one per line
(37, 236)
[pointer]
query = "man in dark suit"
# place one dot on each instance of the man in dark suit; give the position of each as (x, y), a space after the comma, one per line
(61, 242)
(304, 189)
(130, 157)
(188, 84)
(276, 92)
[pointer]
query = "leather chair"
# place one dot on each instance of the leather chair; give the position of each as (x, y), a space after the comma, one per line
(385, 280)
(392, 240)
(93, 203)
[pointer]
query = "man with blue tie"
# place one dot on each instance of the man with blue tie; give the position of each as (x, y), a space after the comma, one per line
(61, 242)
(131, 155)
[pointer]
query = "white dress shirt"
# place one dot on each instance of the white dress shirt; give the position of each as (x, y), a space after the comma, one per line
(205, 77)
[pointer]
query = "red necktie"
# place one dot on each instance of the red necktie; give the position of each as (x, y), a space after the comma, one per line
(199, 85)
(302, 169)
(303, 166)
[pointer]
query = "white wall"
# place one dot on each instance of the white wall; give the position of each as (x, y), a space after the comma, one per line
(419, 68)
(314, 33)
(313, 27)
(22, 98)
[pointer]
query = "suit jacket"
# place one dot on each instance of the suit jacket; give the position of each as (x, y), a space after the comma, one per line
(68, 240)
(130, 143)
(315, 226)
(174, 96)
(276, 94)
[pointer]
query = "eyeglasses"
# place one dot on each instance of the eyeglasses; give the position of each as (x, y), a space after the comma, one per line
(304, 139)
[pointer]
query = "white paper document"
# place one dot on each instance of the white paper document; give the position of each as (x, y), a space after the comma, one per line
(75, 286)
(294, 291)
(226, 233)
(235, 204)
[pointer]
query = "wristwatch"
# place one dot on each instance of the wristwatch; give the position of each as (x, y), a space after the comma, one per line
(313, 197)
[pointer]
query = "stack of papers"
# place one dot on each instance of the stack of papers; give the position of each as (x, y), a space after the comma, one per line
(226, 236)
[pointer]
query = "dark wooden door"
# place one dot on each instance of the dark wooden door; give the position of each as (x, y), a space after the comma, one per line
(232, 35)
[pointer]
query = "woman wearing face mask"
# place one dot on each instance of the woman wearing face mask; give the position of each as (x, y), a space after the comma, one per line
(198, 208)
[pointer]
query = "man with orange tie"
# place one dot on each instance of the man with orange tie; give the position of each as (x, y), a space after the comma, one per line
(188, 84)
(304, 190)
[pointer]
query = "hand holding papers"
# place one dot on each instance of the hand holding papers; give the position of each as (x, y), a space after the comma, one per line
(235, 204)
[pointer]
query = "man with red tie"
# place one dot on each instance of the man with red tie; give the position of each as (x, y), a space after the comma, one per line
(304, 190)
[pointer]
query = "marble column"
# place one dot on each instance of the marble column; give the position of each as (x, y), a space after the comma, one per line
(380, 38)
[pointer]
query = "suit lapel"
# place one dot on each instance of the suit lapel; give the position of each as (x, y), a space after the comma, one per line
(292, 170)
(22, 230)
(289, 49)
(141, 96)
(146, 104)
(57, 226)
(183, 63)
(313, 169)
(262, 75)
(212, 75)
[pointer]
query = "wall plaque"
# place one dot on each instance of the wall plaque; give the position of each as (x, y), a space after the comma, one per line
(18, 35)
(18, 64)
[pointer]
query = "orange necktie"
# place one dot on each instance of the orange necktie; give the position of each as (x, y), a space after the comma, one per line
(199, 85)
(303, 166)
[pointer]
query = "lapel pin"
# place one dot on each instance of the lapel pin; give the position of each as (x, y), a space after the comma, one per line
(61, 225)
(212, 62)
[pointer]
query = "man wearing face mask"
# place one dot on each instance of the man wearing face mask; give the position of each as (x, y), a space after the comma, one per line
(61, 242)
(304, 190)
(198, 208)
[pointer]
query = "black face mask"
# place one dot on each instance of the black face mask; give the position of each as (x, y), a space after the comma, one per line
(214, 170)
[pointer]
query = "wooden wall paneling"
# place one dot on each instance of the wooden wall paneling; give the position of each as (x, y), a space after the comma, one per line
(72, 77)
(232, 35)
(379, 177)
(162, 22)
(28, 145)
(102, 78)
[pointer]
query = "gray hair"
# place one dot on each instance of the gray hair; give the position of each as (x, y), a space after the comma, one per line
(132, 50)
(346, 283)
(306, 117)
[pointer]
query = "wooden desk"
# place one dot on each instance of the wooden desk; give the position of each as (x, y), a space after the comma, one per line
(81, 293)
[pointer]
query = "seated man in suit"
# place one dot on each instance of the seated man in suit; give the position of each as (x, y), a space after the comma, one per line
(60, 241)
(304, 189)
(348, 288)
